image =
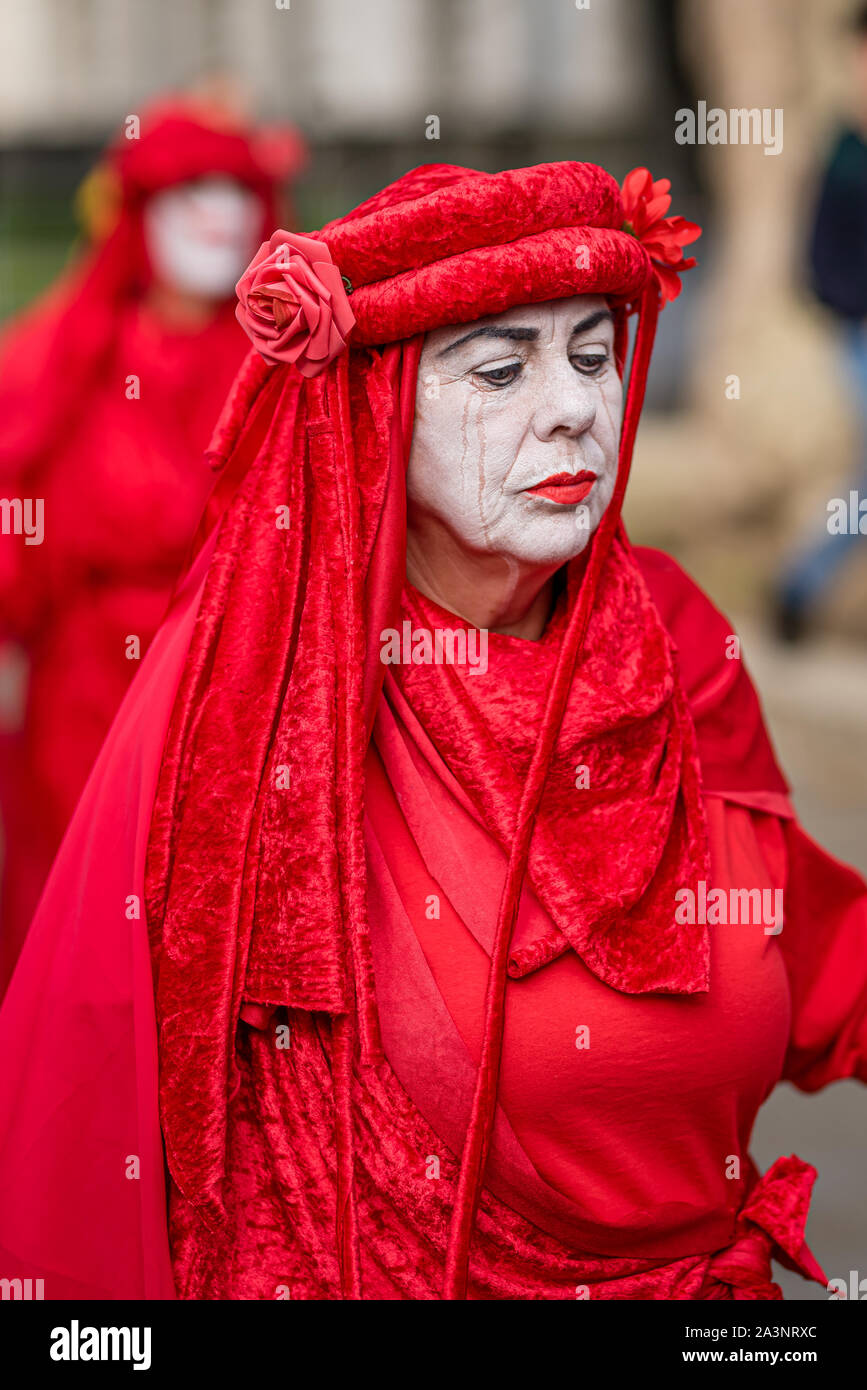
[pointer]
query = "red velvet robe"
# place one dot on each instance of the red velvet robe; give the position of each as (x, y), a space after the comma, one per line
(567, 1211)
(628, 1142)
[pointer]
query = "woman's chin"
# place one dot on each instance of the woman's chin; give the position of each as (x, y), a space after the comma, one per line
(558, 542)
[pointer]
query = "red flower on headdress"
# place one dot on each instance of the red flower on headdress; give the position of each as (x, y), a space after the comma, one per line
(645, 203)
(292, 303)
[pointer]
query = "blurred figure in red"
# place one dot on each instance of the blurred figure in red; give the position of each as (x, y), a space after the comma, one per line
(109, 387)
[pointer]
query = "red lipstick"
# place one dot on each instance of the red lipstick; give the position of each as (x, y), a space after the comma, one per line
(566, 488)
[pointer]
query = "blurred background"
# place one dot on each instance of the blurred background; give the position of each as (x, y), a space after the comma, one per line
(752, 424)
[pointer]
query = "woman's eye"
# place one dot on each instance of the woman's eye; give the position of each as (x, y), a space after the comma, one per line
(501, 376)
(590, 363)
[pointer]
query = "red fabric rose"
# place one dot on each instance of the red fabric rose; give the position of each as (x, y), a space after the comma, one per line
(645, 202)
(293, 305)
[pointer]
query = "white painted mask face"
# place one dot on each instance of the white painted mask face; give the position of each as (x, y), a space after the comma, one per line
(516, 433)
(202, 235)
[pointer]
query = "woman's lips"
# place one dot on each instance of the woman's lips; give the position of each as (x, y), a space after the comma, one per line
(565, 488)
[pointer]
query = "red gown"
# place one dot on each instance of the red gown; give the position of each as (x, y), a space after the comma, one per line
(629, 1141)
(122, 494)
(677, 1078)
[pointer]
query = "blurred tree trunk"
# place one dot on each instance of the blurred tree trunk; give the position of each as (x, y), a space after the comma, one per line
(758, 321)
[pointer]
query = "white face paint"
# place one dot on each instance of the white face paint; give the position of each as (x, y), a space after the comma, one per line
(504, 405)
(202, 235)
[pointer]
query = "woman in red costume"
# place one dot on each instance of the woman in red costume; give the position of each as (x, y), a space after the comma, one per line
(479, 924)
(109, 388)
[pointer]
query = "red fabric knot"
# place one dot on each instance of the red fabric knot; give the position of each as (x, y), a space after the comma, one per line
(771, 1223)
(645, 202)
(292, 303)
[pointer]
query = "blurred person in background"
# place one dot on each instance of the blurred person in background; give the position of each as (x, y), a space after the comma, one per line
(109, 387)
(838, 260)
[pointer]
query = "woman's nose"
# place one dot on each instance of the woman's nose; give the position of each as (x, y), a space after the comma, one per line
(566, 405)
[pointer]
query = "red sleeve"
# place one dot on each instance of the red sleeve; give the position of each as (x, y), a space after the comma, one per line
(733, 744)
(824, 938)
(824, 944)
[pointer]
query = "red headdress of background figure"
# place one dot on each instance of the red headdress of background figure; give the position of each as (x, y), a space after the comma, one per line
(174, 140)
(320, 431)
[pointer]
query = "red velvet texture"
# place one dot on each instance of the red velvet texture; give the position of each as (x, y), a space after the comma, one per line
(256, 871)
(477, 244)
(278, 1226)
(623, 722)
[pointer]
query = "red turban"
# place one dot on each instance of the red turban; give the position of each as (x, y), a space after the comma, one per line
(284, 674)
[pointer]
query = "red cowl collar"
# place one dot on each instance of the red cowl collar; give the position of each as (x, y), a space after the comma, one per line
(620, 827)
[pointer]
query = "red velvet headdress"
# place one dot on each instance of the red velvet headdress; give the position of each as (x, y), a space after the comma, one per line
(257, 896)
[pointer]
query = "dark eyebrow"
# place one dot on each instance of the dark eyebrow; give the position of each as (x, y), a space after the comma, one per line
(592, 320)
(527, 335)
(518, 335)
